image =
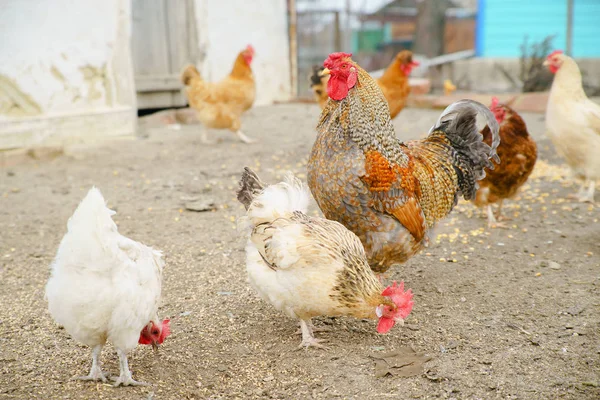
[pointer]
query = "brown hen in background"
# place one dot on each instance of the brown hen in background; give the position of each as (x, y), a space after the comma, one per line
(220, 105)
(517, 152)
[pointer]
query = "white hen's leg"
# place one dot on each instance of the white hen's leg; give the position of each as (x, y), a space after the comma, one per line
(313, 328)
(243, 137)
(125, 377)
(96, 371)
(308, 338)
(588, 196)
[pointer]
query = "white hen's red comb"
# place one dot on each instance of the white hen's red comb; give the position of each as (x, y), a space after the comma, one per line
(555, 52)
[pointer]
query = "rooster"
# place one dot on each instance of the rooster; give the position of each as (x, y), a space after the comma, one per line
(390, 193)
(308, 266)
(394, 82)
(573, 122)
(220, 105)
(518, 153)
(106, 287)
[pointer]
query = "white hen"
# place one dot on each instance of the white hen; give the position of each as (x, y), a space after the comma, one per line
(573, 122)
(106, 287)
(309, 266)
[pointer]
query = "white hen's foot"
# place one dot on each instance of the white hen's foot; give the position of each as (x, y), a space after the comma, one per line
(243, 137)
(125, 378)
(96, 373)
(308, 338)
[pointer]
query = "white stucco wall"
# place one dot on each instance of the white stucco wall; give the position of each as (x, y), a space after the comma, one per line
(63, 60)
(226, 27)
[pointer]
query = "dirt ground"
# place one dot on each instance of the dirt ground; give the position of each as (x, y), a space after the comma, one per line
(504, 313)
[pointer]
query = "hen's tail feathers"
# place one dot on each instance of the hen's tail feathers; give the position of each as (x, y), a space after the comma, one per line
(91, 214)
(316, 78)
(458, 122)
(265, 204)
(189, 74)
(250, 187)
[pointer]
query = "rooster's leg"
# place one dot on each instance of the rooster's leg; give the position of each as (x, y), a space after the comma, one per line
(96, 372)
(308, 339)
(588, 196)
(243, 137)
(125, 377)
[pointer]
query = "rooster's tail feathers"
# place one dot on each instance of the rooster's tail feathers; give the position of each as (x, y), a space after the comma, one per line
(189, 74)
(458, 122)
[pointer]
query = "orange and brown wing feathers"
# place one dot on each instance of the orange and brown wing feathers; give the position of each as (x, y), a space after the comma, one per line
(395, 191)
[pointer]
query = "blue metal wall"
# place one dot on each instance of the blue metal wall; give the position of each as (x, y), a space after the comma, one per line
(502, 25)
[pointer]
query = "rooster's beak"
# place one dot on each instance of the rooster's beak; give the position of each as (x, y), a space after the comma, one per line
(325, 72)
(546, 63)
(154, 346)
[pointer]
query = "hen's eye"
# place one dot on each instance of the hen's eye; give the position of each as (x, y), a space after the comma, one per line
(155, 332)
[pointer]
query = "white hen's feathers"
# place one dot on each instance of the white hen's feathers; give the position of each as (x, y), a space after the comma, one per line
(573, 121)
(103, 286)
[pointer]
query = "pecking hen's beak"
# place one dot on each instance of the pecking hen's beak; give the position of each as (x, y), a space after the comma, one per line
(155, 346)
(325, 72)
(546, 63)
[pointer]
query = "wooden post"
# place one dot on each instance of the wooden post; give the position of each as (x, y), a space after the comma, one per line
(569, 27)
(293, 39)
(337, 41)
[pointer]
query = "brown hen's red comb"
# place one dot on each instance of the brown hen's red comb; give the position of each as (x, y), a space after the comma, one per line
(555, 52)
(250, 48)
(334, 57)
(495, 103)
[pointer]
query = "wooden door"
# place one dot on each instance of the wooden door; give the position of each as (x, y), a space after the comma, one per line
(164, 39)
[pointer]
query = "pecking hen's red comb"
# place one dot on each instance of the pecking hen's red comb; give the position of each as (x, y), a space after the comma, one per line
(555, 52)
(402, 299)
(334, 58)
(166, 330)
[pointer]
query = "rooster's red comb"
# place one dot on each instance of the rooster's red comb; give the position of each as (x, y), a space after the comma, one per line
(555, 52)
(250, 48)
(334, 58)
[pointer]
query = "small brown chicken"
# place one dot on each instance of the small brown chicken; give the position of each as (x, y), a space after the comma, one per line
(220, 105)
(318, 84)
(390, 193)
(517, 152)
(393, 82)
(309, 266)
